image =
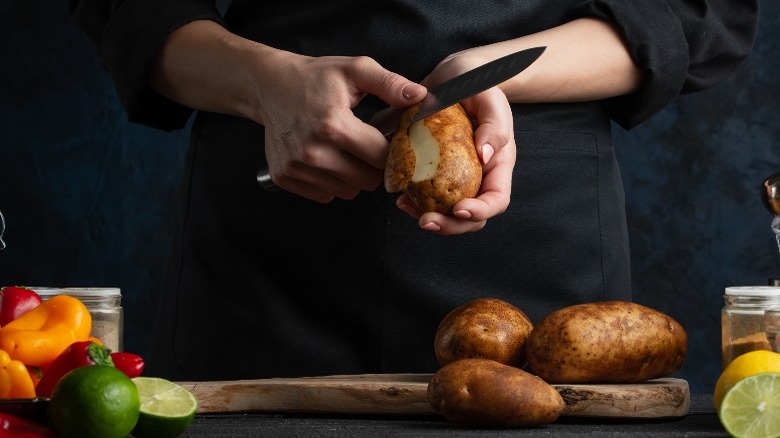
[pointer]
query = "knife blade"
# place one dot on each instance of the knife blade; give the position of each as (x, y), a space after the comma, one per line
(476, 81)
(447, 93)
(461, 87)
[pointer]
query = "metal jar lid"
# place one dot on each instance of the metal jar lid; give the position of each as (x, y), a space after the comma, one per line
(753, 291)
(95, 291)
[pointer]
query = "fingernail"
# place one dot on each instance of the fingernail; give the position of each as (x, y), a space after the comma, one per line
(431, 226)
(411, 90)
(487, 153)
(463, 214)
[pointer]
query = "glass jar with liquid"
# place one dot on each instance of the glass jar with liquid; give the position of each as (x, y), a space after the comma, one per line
(743, 326)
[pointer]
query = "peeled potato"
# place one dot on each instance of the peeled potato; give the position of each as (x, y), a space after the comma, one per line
(435, 163)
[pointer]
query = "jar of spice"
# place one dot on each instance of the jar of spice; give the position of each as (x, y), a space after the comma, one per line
(772, 320)
(742, 319)
(104, 305)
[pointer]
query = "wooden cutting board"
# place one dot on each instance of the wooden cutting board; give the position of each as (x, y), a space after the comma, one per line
(404, 394)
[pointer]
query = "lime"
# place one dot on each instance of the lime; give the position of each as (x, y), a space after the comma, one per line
(746, 365)
(94, 401)
(167, 409)
(751, 409)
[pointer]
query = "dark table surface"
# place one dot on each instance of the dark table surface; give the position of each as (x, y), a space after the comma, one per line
(700, 422)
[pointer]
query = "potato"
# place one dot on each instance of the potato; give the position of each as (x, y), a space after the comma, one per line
(435, 163)
(606, 342)
(485, 393)
(487, 328)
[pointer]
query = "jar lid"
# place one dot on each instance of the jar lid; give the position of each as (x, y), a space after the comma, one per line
(45, 291)
(753, 291)
(98, 291)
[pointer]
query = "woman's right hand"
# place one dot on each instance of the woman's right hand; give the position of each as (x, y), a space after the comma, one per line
(316, 147)
(314, 144)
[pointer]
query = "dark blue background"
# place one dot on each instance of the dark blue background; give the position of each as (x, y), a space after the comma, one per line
(89, 198)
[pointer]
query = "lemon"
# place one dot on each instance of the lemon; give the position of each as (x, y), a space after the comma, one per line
(746, 365)
(94, 401)
(167, 409)
(751, 409)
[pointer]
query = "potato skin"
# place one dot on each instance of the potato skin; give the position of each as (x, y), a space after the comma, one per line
(399, 167)
(488, 328)
(606, 342)
(459, 172)
(485, 393)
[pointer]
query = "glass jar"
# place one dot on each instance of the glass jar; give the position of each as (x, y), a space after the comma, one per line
(772, 320)
(105, 307)
(743, 326)
(2, 230)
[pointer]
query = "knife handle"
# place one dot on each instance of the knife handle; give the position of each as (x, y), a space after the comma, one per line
(264, 178)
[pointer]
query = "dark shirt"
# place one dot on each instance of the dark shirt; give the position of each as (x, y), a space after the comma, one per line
(270, 284)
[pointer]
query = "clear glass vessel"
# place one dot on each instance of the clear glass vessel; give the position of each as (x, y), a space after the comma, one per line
(105, 307)
(743, 325)
(772, 320)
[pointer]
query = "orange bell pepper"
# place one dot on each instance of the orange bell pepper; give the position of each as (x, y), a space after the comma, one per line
(35, 374)
(40, 335)
(15, 380)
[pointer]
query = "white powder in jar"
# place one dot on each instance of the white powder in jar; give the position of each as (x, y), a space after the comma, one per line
(106, 327)
(104, 305)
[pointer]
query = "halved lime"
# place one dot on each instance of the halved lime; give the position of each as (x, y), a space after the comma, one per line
(167, 409)
(751, 408)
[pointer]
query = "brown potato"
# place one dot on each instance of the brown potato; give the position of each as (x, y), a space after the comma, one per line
(435, 163)
(606, 342)
(487, 328)
(485, 393)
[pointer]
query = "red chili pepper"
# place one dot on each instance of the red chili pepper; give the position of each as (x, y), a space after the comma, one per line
(128, 363)
(18, 427)
(16, 301)
(78, 354)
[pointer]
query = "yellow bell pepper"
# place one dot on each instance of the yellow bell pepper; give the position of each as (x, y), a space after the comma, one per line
(37, 337)
(15, 380)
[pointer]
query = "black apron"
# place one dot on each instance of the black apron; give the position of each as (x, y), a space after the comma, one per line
(271, 284)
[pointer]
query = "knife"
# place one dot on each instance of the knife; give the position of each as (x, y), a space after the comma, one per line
(460, 88)
(446, 94)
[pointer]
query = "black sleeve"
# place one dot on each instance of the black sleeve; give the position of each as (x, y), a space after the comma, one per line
(128, 35)
(681, 45)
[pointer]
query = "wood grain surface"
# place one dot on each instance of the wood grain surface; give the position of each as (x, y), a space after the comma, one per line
(406, 394)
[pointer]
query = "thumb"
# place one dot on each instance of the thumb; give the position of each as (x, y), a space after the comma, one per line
(394, 89)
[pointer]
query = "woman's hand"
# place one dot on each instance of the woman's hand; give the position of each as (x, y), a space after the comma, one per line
(585, 59)
(315, 146)
(494, 140)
